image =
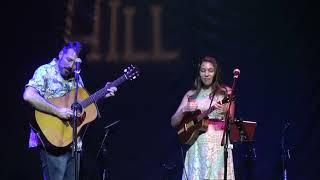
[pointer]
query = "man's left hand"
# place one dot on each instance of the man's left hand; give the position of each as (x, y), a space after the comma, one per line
(111, 91)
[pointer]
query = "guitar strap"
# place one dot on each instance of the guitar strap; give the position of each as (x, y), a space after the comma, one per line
(37, 133)
(212, 96)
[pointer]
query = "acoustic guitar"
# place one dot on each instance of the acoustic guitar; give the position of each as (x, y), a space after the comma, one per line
(56, 132)
(195, 123)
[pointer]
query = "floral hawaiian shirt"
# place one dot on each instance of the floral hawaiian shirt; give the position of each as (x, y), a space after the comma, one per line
(49, 83)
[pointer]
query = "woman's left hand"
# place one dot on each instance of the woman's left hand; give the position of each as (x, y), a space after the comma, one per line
(217, 105)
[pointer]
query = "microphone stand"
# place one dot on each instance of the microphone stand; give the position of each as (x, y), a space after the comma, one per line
(226, 131)
(284, 152)
(75, 107)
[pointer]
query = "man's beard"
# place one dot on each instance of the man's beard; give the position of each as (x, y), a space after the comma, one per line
(67, 75)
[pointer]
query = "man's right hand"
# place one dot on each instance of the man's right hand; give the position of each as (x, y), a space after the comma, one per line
(64, 113)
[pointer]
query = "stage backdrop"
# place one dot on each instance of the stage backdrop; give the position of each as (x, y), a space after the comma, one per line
(273, 43)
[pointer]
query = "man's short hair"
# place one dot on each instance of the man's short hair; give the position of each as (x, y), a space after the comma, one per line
(76, 46)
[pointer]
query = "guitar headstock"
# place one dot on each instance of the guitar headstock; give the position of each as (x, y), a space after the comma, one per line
(131, 72)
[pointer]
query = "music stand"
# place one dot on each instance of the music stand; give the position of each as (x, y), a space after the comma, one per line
(105, 136)
(103, 149)
(242, 131)
(242, 135)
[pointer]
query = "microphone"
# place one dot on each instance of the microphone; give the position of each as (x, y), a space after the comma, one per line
(285, 127)
(236, 73)
(78, 62)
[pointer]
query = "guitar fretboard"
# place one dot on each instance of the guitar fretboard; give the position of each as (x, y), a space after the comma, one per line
(205, 113)
(208, 111)
(102, 92)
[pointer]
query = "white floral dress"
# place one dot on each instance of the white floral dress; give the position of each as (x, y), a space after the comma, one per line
(205, 158)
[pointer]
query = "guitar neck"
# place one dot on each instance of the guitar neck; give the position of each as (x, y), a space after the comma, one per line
(102, 92)
(208, 111)
(205, 113)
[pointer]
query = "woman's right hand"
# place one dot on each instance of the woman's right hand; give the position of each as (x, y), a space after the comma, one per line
(190, 107)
